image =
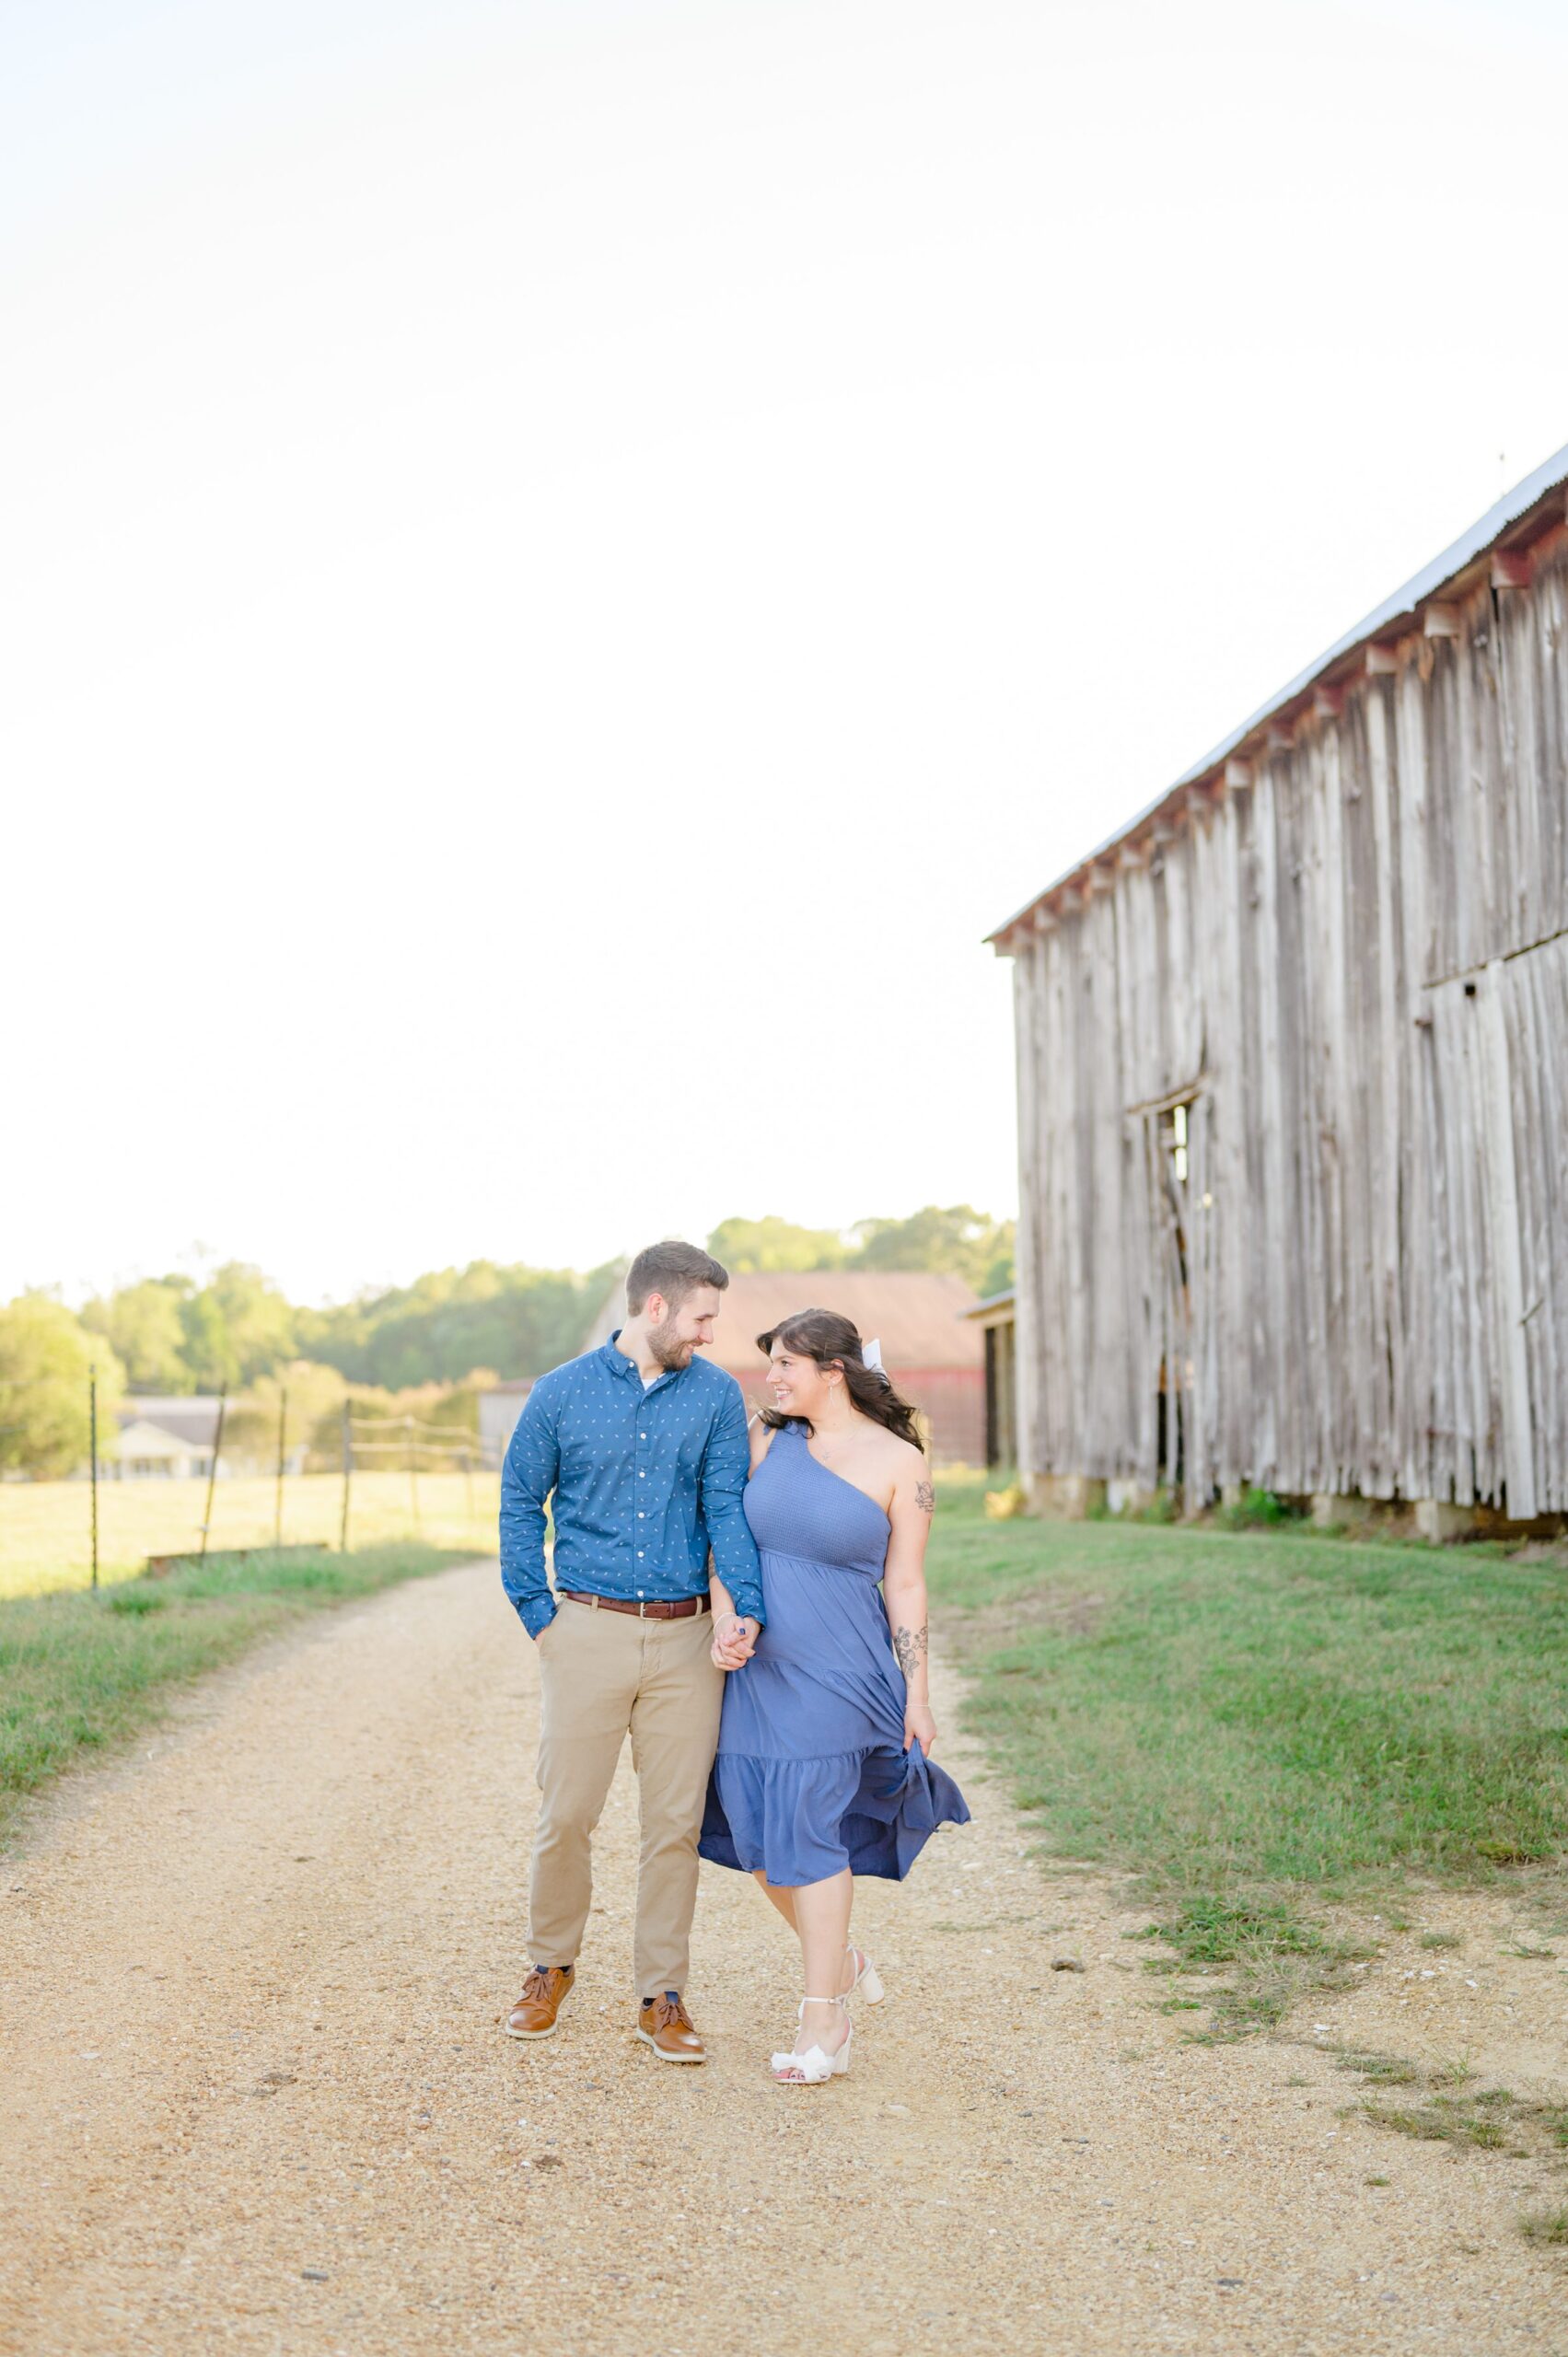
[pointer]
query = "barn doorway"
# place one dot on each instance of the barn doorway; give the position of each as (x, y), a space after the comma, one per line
(1173, 1131)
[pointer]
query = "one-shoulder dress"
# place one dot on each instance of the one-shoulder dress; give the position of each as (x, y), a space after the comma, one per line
(811, 1773)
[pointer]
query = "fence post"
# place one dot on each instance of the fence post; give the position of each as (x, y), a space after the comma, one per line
(412, 1472)
(212, 1468)
(348, 1469)
(283, 1429)
(92, 1431)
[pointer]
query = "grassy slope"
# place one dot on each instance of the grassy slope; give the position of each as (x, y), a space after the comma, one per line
(79, 1672)
(1244, 1718)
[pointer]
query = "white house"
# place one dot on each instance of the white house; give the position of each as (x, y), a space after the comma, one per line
(165, 1439)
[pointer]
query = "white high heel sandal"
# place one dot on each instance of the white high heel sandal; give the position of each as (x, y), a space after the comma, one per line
(810, 2069)
(866, 1977)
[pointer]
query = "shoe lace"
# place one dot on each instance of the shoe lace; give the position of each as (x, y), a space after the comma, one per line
(536, 1988)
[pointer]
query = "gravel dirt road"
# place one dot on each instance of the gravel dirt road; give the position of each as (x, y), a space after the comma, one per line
(256, 2096)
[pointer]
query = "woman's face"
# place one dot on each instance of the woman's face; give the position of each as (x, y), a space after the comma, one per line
(797, 1384)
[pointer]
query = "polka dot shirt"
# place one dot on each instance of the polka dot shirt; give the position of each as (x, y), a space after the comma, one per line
(645, 1482)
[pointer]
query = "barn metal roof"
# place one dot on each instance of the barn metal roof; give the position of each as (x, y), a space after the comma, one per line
(1483, 535)
(190, 1417)
(1002, 1300)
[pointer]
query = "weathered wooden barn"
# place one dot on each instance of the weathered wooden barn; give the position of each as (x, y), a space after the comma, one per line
(1293, 1080)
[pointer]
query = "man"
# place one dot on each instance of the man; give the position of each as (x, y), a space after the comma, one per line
(645, 1447)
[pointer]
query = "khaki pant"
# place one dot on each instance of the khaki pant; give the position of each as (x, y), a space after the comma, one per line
(603, 1676)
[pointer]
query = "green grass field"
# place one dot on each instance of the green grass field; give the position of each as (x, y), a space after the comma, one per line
(80, 1672)
(46, 1529)
(1259, 1723)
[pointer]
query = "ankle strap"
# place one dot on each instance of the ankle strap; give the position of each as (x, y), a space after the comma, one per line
(822, 2000)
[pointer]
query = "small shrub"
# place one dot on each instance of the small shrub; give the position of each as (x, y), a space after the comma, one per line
(1258, 1510)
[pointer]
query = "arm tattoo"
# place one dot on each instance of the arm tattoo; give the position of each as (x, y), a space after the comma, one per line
(910, 1644)
(926, 1496)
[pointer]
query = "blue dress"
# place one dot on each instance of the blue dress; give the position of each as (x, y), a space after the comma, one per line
(811, 1773)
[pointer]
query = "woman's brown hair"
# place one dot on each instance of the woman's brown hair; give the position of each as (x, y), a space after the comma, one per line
(832, 1341)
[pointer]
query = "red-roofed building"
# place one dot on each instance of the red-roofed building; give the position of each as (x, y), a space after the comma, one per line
(934, 1354)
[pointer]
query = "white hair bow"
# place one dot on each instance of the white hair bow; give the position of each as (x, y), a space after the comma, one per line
(871, 1353)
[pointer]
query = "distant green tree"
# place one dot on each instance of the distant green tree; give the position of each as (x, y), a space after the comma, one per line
(141, 1324)
(335, 1337)
(45, 1356)
(957, 1239)
(205, 1344)
(237, 1326)
(515, 1320)
(772, 1245)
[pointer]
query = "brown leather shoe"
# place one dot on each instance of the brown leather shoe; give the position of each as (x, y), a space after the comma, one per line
(664, 2023)
(534, 2014)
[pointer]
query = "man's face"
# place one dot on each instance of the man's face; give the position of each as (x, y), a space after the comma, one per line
(674, 1334)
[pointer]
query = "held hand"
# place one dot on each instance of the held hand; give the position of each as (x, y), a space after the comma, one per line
(920, 1727)
(735, 1640)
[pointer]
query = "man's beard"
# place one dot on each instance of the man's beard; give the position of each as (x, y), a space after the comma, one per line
(671, 1354)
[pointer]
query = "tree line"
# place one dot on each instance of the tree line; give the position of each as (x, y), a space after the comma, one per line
(447, 1334)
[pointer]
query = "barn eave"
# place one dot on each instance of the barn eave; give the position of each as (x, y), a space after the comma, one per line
(1500, 547)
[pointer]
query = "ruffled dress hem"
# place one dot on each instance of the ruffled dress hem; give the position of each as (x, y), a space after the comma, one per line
(801, 1820)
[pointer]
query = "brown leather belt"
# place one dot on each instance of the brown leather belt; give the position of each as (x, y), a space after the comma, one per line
(681, 1608)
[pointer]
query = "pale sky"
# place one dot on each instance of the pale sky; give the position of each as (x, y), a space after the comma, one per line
(564, 564)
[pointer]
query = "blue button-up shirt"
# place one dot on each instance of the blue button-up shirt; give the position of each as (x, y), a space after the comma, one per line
(645, 1483)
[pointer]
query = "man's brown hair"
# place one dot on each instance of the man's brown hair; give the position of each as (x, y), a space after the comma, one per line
(671, 1269)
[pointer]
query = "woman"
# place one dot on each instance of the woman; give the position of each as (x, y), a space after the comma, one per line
(824, 1765)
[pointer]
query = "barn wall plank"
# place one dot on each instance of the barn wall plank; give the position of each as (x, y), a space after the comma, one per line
(1358, 967)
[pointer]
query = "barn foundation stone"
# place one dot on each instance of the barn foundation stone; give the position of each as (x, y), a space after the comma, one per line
(1130, 1497)
(1064, 1497)
(1437, 1520)
(1328, 1508)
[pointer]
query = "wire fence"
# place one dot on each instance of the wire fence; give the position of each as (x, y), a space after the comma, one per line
(385, 1477)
